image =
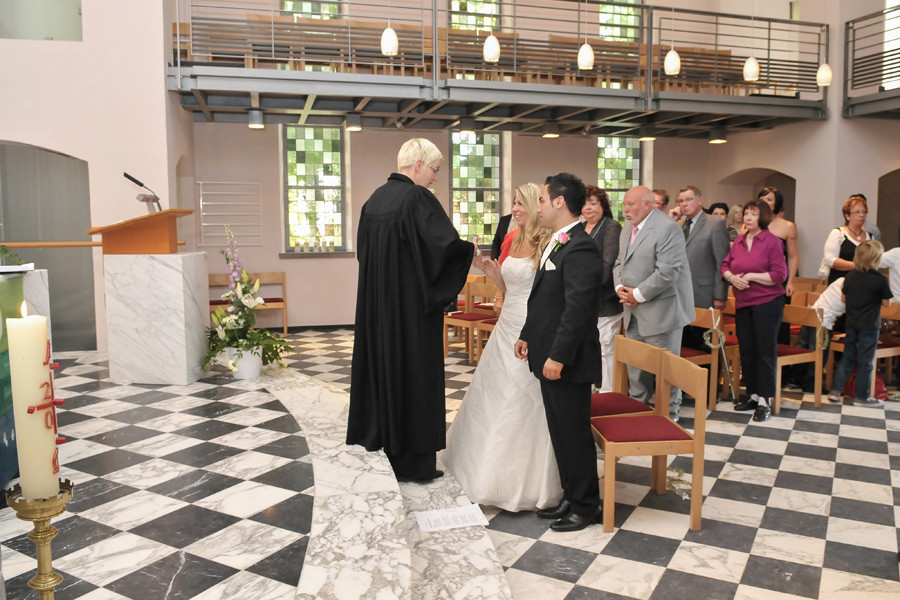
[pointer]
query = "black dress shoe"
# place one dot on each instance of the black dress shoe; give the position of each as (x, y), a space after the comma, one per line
(405, 478)
(763, 412)
(747, 405)
(576, 522)
(557, 512)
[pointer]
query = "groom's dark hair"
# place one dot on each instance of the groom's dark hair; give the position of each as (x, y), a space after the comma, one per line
(569, 187)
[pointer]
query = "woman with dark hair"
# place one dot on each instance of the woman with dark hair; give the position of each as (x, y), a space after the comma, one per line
(840, 247)
(756, 268)
(604, 230)
(785, 230)
(719, 209)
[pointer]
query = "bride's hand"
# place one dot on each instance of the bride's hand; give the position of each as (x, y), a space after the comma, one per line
(498, 305)
(491, 268)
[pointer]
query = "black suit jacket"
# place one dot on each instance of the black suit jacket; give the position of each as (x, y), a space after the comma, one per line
(562, 310)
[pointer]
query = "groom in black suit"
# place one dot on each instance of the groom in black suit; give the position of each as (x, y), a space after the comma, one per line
(560, 341)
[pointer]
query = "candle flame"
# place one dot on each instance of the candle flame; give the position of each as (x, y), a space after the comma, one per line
(24, 310)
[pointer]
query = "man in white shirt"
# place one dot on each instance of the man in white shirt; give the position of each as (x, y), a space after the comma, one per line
(891, 261)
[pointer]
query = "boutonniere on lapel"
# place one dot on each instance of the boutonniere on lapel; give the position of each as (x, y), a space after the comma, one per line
(561, 240)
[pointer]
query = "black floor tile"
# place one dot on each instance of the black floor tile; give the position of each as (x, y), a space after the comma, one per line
(641, 547)
(148, 397)
(291, 446)
(867, 512)
(96, 492)
(850, 443)
(738, 490)
(284, 565)
(209, 430)
(218, 393)
(861, 473)
(205, 453)
(810, 451)
(138, 415)
(212, 410)
(184, 526)
(295, 514)
(782, 576)
(677, 585)
(285, 424)
(76, 402)
(816, 427)
(274, 405)
(70, 588)
(724, 535)
(68, 417)
(721, 439)
(75, 533)
(583, 593)
(860, 560)
(525, 523)
(669, 502)
(804, 482)
(862, 421)
(178, 576)
(91, 386)
(296, 476)
(195, 485)
(711, 468)
(768, 433)
(123, 436)
(107, 462)
(789, 521)
(756, 459)
(558, 562)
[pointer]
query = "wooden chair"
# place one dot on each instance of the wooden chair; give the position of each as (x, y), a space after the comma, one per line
(466, 320)
(482, 330)
(707, 319)
(732, 349)
(885, 349)
(627, 353)
(219, 280)
(656, 435)
(792, 355)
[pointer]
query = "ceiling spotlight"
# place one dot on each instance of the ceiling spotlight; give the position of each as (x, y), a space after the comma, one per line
(353, 122)
(466, 125)
(717, 135)
(255, 120)
(551, 131)
(647, 133)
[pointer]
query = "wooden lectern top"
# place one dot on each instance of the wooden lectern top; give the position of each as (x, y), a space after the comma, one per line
(154, 233)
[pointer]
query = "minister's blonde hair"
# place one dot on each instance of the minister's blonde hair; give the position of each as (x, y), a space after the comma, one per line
(418, 149)
(533, 234)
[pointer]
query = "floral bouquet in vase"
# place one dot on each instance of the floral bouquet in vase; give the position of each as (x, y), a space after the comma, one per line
(234, 326)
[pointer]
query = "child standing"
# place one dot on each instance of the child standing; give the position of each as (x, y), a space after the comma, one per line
(865, 290)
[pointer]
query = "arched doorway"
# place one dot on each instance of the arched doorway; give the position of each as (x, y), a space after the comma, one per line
(44, 196)
(888, 217)
(742, 186)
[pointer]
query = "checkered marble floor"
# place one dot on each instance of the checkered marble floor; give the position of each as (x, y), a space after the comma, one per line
(205, 491)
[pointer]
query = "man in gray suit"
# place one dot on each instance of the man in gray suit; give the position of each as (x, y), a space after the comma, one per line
(707, 246)
(653, 281)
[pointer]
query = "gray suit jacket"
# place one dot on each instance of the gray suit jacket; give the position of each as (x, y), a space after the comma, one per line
(656, 264)
(707, 247)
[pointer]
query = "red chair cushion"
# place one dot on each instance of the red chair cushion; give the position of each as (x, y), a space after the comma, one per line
(639, 428)
(888, 344)
(490, 321)
(795, 329)
(219, 302)
(469, 316)
(612, 403)
(731, 340)
(691, 352)
(270, 300)
(785, 350)
(728, 320)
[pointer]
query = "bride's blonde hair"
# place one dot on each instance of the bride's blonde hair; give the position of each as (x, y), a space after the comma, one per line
(532, 233)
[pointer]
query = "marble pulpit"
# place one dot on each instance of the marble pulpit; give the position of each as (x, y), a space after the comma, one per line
(157, 309)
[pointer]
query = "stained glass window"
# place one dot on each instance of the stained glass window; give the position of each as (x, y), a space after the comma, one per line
(474, 15)
(475, 184)
(312, 10)
(314, 186)
(618, 169)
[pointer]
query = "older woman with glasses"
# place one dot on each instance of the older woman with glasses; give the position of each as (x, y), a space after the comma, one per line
(840, 247)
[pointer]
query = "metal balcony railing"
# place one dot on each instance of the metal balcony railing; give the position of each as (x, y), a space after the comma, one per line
(872, 57)
(539, 43)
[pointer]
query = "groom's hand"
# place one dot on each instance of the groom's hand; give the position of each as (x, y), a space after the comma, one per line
(552, 370)
(521, 349)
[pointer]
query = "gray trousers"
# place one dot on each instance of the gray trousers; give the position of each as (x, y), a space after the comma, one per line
(642, 385)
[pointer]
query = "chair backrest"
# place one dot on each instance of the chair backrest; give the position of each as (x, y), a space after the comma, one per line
(891, 311)
(804, 286)
(800, 298)
(800, 315)
(484, 291)
(632, 353)
(476, 278)
(691, 379)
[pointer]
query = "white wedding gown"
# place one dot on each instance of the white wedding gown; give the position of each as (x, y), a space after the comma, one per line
(498, 446)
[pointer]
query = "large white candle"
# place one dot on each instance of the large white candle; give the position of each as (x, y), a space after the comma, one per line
(32, 388)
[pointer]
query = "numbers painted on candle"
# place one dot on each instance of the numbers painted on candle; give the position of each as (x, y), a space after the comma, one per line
(56, 461)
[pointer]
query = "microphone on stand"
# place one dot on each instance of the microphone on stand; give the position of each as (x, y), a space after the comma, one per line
(150, 198)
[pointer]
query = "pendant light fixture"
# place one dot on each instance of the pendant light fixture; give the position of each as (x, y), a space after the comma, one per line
(672, 64)
(751, 65)
(717, 136)
(491, 48)
(585, 53)
(255, 119)
(823, 73)
(550, 130)
(390, 45)
(646, 132)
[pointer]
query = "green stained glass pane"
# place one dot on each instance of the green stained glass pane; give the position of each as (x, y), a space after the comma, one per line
(618, 168)
(475, 183)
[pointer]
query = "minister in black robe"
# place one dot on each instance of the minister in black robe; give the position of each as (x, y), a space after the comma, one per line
(411, 264)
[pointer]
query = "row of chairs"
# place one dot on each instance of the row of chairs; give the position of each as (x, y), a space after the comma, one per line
(475, 317)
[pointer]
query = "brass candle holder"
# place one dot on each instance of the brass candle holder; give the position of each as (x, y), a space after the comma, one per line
(40, 512)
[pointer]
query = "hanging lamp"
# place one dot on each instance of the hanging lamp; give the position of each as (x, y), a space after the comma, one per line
(491, 49)
(751, 65)
(824, 75)
(585, 53)
(672, 64)
(390, 45)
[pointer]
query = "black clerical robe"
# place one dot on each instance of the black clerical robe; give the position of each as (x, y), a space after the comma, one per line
(411, 264)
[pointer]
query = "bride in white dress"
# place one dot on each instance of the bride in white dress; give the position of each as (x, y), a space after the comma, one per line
(498, 446)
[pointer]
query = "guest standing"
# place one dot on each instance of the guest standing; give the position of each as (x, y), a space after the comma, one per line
(605, 231)
(865, 291)
(411, 264)
(735, 221)
(756, 269)
(787, 232)
(841, 244)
